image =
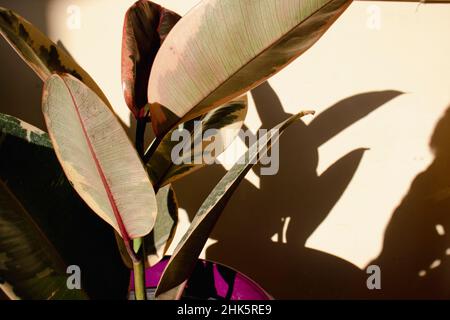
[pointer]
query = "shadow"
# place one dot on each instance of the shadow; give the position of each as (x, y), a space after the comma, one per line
(296, 200)
(34, 175)
(201, 285)
(229, 276)
(414, 261)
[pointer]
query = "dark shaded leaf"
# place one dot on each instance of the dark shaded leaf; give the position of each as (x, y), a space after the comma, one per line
(30, 266)
(158, 241)
(30, 169)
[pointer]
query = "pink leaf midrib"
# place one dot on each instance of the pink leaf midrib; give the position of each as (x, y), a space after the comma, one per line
(111, 199)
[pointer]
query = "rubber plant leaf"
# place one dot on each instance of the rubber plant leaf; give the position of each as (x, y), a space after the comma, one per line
(185, 256)
(223, 48)
(146, 25)
(209, 136)
(30, 168)
(98, 158)
(157, 242)
(29, 265)
(39, 52)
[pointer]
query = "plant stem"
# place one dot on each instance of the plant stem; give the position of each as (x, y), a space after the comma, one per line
(139, 280)
(140, 134)
(139, 269)
(139, 261)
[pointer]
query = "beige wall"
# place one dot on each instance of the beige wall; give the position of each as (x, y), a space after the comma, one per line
(385, 68)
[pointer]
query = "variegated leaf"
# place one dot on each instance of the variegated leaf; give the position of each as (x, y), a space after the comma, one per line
(158, 241)
(230, 47)
(186, 253)
(145, 27)
(29, 264)
(98, 158)
(225, 123)
(39, 52)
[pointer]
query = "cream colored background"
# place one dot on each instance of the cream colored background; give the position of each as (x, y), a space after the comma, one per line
(373, 46)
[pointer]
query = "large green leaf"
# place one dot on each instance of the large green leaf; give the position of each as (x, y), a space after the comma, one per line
(29, 263)
(223, 48)
(186, 253)
(158, 241)
(29, 167)
(225, 123)
(98, 157)
(39, 52)
(146, 25)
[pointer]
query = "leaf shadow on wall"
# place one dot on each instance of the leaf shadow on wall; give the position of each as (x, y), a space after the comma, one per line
(286, 269)
(414, 262)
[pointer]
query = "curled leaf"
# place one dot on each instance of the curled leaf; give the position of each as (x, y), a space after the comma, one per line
(145, 27)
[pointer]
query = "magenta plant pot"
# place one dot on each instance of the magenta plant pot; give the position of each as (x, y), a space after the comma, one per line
(209, 281)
